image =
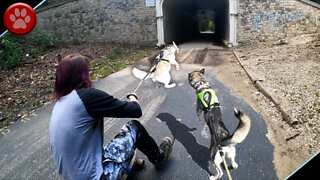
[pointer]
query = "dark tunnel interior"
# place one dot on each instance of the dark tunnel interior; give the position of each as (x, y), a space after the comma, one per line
(183, 17)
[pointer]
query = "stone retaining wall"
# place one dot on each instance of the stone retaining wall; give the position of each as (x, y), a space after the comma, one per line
(123, 21)
(131, 21)
(276, 19)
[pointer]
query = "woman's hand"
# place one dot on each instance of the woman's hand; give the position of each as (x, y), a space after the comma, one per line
(133, 97)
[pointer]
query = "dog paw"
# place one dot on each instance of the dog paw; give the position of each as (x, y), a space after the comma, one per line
(213, 178)
(234, 165)
(170, 85)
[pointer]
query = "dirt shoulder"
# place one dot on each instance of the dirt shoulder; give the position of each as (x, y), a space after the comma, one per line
(290, 72)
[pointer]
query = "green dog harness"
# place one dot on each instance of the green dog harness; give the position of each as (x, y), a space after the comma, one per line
(212, 99)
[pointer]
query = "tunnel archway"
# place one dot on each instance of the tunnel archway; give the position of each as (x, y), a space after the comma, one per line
(179, 20)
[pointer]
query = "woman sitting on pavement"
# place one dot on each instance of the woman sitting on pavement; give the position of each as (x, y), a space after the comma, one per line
(76, 127)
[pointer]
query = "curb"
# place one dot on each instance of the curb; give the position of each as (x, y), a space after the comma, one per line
(285, 115)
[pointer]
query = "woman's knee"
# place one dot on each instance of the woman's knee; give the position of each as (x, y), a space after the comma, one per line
(138, 128)
(134, 123)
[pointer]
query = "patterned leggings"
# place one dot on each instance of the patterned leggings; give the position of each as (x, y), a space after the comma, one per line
(120, 150)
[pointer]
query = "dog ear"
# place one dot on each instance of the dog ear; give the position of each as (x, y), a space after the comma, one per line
(174, 44)
(202, 71)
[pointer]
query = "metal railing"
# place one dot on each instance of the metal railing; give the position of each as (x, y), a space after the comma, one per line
(52, 4)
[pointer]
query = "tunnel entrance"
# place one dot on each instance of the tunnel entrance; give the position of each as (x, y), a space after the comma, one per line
(206, 27)
(189, 20)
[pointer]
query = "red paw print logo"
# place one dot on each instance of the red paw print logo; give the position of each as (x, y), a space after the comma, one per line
(20, 22)
(20, 18)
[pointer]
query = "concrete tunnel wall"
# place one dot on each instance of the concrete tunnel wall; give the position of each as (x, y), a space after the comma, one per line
(181, 19)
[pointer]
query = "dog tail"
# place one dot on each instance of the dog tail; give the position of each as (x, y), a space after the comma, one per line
(140, 74)
(242, 130)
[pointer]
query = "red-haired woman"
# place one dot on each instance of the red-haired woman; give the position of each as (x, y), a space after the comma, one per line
(76, 127)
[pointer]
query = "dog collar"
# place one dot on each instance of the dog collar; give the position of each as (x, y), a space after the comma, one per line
(164, 60)
(198, 85)
(166, 53)
(213, 99)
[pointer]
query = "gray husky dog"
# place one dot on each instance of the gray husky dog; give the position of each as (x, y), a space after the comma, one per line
(221, 139)
(161, 73)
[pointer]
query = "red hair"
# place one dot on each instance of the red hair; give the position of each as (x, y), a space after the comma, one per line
(72, 73)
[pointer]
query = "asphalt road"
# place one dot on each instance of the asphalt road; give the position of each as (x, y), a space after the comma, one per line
(25, 150)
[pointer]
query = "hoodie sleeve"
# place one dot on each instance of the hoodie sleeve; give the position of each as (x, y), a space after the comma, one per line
(100, 104)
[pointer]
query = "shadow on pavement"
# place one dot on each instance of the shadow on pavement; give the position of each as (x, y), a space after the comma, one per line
(200, 154)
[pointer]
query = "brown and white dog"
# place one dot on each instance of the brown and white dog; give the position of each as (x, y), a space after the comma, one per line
(221, 139)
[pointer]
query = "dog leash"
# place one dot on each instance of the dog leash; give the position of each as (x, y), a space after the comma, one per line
(151, 69)
(225, 164)
(221, 153)
(137, 88)
(207, 107)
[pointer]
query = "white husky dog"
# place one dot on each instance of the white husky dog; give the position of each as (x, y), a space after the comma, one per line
(161, 72)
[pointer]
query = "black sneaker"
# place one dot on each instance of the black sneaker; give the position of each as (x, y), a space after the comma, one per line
(165, 149)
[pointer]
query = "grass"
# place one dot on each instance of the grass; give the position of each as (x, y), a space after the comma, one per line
(5, 123)
(114, 62)
(96, 64)
(138, 55)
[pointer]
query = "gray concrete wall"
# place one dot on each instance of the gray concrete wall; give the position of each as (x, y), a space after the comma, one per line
(123, 21)
(275, 19)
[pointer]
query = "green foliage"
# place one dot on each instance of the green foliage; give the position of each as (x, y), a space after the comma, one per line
(317, 1)
(32, 52)
(27, 90)
(45, 41)
(96, 64)
(11, 48)
(116, 50)
(138, 55)
(115, 53)
(211, 25)
(51, 77)
(49, 85)
(112, 56)
(10, 51)
(207, 26)
(5, 123)
(104, 68)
